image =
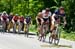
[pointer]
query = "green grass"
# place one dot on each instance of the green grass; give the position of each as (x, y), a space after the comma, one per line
(33, 28)
(68, 36)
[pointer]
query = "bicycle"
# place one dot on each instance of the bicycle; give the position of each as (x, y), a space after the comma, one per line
(55, 35)
(26, 29)
(42, 35)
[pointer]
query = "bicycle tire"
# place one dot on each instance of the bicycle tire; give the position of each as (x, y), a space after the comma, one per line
(56, 41)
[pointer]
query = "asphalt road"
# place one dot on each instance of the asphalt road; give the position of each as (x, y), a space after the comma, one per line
(19, 41)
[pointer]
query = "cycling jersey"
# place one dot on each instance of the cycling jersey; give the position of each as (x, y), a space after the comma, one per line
(15, 18)
(10, 17)
(28, 19)
(46, 16)
(21, 19)
(58, 14)
(4, 17)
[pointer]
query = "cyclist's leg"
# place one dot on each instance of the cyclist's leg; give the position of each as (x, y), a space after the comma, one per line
(22, 26)
(52, 27)
(57, 30)
(40, 31)
(8, 27)
(27, 28)
(14, 27)
(19, 26)
(11, 25)
(4, 26)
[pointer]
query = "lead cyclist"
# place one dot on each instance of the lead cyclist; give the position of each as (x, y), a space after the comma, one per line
(56, 17)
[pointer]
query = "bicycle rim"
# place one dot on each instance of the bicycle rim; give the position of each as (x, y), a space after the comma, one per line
(56, 41)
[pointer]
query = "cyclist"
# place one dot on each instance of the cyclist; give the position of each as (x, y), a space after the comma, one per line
(27, 22)
(10, 21)
(46, 18)
(4, 19)
(21, 21)
(56, 17)
(15, 22)
(39, 21)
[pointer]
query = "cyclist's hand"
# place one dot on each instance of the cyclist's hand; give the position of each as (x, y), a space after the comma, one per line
(65, 23)
(7, 20)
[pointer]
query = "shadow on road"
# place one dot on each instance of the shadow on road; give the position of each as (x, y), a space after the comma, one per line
(19, 33)
(57, 46)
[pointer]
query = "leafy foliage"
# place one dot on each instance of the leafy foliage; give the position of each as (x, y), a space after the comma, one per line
(32, 7)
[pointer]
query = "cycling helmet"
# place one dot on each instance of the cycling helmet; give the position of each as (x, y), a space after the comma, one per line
(16, 15)
(11, 13)
(4, 12)
(47, 9)
(61, 8)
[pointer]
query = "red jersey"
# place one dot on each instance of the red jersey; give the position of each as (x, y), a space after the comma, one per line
(4, 17)
(15, 18)
(21, 19)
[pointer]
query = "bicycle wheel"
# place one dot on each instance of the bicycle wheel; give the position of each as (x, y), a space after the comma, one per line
(56, 40)
(51, 37)
(44, 33)
(50, 40)
(26, 30)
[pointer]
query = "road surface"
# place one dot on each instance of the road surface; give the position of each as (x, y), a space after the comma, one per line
(19, 41)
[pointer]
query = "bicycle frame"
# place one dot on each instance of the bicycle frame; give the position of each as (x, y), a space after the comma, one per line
(26, 29)
(55, 35)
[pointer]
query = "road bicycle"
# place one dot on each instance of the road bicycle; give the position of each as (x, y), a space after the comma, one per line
(55, 35)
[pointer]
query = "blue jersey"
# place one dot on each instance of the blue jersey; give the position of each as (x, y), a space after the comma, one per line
(10, 17)
(58, 14)
(28, 19)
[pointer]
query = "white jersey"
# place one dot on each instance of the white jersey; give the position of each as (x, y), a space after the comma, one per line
(44, 15)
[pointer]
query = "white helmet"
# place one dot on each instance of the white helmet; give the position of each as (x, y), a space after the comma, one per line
(4, 12)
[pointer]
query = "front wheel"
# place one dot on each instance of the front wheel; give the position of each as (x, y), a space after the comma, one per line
(50, 40)
(26, 30)
(56, 40)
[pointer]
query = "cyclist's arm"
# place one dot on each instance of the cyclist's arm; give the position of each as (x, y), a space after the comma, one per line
(64, 18)
(37, 20)
(1, 18)
(13, 19)
(52, 18)
(25, 21)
